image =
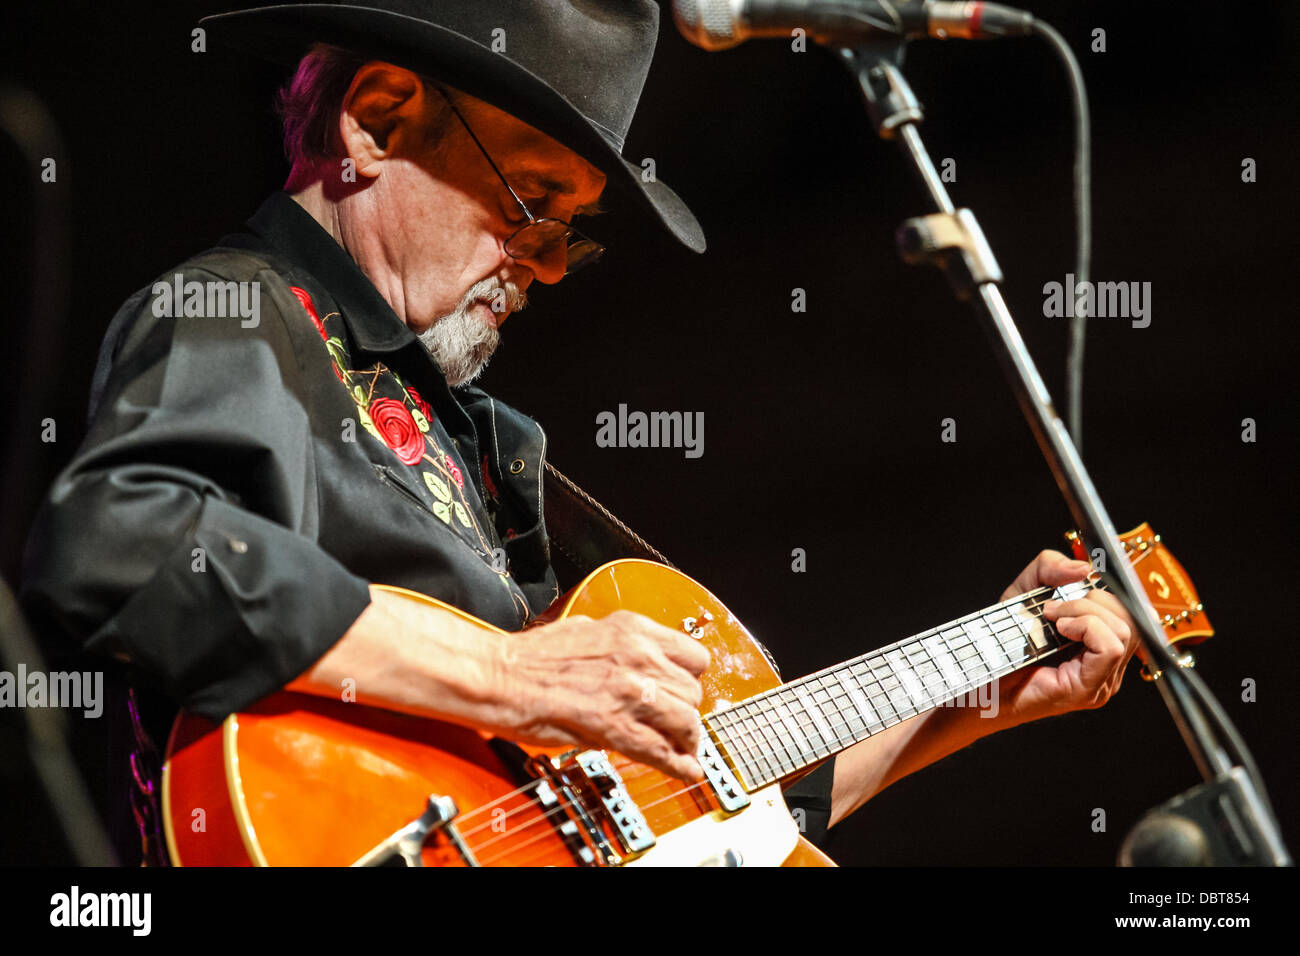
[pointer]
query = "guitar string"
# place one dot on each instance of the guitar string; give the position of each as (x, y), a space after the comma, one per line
(485, 808)
(1001, 618)
(754, 748)
(929, 703)
(564, 803)
(545, 816)
(1006, 608)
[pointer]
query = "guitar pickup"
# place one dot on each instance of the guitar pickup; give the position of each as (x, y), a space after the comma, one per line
(623, 814)
(731, 795)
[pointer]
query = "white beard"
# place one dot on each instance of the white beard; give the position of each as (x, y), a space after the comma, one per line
(461, 343)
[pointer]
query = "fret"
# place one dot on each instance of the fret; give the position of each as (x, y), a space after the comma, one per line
(730, 739)
(766, 718)
(885, 698)
(717, 727)
(902, 668)
(853, 688)
(990, 651)
(841, 715)
(999, 632)
(931, 676)
(790, 721)
(914, 676)
(1031, 635)
(1025, 633)
(755, 758)
(903, 703)
(954, 679)
(962, 656)
(828, 736)
(785, 729)
(968, 655)
(769, 724)
(1011, 632)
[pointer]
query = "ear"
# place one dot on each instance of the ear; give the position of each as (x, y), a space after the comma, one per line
(382, 109)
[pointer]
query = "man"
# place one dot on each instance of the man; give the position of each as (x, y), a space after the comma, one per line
(247, 480)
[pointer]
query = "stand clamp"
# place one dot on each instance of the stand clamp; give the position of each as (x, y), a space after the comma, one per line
(955, 243)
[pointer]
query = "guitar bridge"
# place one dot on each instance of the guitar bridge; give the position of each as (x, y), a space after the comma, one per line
(624, 816)
(557, 792)
(586, 788)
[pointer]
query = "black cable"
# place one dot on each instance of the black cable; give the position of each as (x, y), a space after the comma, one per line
(1082, 225)
(1211, 710)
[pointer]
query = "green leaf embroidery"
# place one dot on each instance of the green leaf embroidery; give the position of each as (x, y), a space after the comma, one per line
(438, 487)
(421, 422)
(364, 417)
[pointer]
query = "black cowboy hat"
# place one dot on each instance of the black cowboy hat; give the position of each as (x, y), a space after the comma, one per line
(573, 69)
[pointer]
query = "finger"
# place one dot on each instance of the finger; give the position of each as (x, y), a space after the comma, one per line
(1082, 607)
(685, 651)
(676, 721)
(1102, 663)
(1113, 603)
(645, 745)
(680, 649)
(682, 684)
(1095, 635)
(1050, 568)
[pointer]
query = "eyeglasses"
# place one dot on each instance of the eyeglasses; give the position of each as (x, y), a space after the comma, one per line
(541, 236)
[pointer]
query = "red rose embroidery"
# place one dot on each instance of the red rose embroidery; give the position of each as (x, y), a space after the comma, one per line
(398, 429)
(488, 483)
(420, 403)
(456, 476)
(302, 296)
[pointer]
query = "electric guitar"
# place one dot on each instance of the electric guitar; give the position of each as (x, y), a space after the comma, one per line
(305, 780)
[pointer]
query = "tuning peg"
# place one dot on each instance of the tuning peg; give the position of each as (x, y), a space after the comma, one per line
(1185, 661)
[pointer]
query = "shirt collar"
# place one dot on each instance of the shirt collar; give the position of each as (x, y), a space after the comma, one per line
(294, 234)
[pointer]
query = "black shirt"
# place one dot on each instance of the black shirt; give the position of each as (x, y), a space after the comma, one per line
(243, 482)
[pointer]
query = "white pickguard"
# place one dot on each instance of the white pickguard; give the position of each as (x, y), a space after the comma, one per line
(763, 833)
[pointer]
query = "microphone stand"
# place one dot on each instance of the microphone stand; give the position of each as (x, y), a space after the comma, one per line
(1233, 799)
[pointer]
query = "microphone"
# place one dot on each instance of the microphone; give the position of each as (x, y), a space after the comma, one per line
(719, 24)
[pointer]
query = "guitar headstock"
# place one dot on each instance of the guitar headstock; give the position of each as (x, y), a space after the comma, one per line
(1167, 585)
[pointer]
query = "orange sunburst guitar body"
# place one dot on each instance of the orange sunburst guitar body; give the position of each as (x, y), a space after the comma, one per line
(300, 780)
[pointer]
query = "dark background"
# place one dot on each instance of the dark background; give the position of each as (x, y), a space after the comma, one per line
(822, 429)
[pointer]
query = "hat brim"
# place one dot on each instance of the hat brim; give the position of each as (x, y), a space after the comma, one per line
(284, 33)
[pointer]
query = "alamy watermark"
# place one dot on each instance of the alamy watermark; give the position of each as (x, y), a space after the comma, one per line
(626, 429)
(1105, 300)
(133, 911)
(57, 689)
(214, 299)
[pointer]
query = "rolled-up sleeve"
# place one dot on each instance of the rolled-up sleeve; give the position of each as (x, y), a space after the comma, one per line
(182, 536)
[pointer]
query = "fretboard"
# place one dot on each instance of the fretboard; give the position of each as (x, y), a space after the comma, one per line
(791, 727)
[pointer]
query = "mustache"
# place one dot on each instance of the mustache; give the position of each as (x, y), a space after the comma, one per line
(500, 296)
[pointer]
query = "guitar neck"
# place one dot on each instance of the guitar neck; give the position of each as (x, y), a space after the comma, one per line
(789, 728)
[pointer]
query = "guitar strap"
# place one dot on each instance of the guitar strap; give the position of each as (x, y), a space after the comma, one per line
(584, 534)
